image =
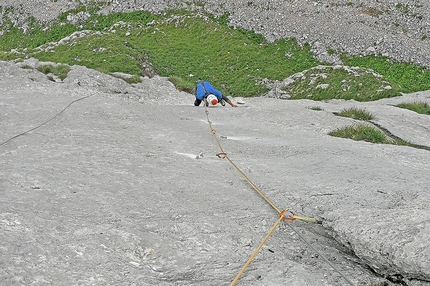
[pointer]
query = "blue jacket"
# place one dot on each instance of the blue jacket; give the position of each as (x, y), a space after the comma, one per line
(200, 91)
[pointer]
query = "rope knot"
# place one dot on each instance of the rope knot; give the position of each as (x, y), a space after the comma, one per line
(282, 215)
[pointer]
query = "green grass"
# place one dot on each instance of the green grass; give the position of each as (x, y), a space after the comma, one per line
(133, 79)
(27, 67)
(182, 84)
(329, 82)
(409, 77)
(236, 61)
(130, 79)
(14, 38)
(316, 108)
(60, 70)
(419, 107)
(233, 60)
(356, 113)
(364, 132)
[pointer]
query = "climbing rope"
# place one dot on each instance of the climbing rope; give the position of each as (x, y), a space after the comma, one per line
(40, 125)
(256, 251)
(282, 216)
(223, 155)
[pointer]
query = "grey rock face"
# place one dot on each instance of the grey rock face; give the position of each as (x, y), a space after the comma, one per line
(114, 181)
(388, 245)
(90, 211)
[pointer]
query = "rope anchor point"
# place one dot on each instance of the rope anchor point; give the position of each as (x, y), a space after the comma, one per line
(282, 215)
(221, 155)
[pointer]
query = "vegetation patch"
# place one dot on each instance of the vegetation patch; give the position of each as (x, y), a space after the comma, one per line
(328, 82)
(27, 67)
(409, 77)
(316, 108)
(364, 132)
(184, 46)
(60, 70)
(129, 79)
(418, 106)
(133, 79)
(356, 113)
(182, 85)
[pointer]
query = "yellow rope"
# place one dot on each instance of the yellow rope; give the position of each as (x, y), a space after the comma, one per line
(281, 214)
(224, 155)
(256, 251)
(253, 186)
(309, 219)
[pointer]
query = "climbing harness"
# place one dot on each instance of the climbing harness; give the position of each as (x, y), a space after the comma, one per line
(282, 214)
(207, 93)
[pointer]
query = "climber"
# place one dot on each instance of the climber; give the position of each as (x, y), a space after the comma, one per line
(204, 89)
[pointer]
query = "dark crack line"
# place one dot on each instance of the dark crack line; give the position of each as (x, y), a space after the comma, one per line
(391, 135)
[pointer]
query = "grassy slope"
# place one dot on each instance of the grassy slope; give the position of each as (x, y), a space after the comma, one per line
(235, 60)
